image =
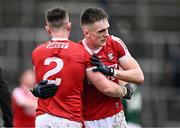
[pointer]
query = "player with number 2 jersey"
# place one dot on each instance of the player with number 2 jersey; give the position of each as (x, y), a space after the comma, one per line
(62, 62)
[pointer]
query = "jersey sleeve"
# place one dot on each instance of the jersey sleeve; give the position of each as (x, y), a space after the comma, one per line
(121, 48)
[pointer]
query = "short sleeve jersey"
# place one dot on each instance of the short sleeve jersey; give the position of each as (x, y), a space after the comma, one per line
(62, 62)
(96, 104)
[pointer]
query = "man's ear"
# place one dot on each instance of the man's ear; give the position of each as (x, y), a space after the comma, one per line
(48, 29)
(86, 32)
(69, 26)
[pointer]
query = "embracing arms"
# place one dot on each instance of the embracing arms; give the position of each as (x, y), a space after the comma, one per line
(132, 72)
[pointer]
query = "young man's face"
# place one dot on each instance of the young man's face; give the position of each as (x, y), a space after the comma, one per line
(98, 32)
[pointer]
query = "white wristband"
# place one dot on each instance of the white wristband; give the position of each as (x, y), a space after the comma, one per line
(115, 73)
(125, 91)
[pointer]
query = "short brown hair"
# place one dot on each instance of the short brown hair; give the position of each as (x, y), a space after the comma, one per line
(93, 14)
(56, 16)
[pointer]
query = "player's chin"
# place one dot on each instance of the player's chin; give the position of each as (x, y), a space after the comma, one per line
(103, 43)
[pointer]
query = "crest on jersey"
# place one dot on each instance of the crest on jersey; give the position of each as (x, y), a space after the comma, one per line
(110, 56)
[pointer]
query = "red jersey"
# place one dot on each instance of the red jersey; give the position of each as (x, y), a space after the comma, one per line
(63, 62)
(96, 104)
(22, 116)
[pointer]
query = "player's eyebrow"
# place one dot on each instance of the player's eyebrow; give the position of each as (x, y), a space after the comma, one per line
(102, 30)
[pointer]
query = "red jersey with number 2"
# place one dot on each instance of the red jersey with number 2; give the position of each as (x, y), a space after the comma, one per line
(62, 62)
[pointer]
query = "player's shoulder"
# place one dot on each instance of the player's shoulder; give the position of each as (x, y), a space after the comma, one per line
(40, 47)
(80, 42)
(114, 39)
(77, 45)
(78, 51)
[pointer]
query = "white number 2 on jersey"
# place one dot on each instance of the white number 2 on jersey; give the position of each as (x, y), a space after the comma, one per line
(55, 70)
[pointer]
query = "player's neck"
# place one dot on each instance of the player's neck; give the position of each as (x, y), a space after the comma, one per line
(60, 34)
(91, 45)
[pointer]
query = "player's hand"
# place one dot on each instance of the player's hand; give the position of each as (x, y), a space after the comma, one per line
(109, 71)
(129, 91)
(44, 90)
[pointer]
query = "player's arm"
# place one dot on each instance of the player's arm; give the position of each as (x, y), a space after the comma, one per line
(108, 87)
(132, 72)
(22, 100)
(44, 89)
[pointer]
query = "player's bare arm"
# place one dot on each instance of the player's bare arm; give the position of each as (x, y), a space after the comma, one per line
(108, 87)
(131, 70)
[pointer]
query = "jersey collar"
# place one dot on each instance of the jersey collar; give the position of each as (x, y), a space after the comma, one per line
(90, 50)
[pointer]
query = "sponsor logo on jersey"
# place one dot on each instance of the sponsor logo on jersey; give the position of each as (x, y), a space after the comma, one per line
(56, 44)
(110, 56)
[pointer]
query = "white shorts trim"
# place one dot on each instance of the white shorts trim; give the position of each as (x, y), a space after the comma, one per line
(50, 121)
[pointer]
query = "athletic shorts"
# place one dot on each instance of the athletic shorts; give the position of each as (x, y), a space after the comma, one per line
(115, 121)
(50, 121)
